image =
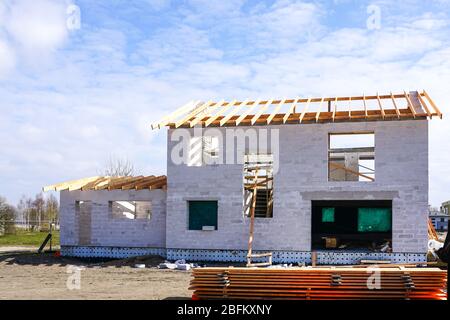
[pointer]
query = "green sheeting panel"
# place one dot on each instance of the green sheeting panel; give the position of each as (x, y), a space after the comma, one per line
(327, 214)
(374, 219)
(202, 213)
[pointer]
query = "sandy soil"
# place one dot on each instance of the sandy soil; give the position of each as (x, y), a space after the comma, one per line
(33, 276)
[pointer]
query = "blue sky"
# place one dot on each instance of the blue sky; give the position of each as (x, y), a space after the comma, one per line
(70, 98)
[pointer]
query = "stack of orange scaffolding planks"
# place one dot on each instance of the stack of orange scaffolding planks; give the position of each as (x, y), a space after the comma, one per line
(319, 283)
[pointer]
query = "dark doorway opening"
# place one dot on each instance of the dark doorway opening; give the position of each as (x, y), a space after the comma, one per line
(352, 225)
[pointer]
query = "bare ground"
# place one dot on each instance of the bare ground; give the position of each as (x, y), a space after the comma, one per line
(44, 276)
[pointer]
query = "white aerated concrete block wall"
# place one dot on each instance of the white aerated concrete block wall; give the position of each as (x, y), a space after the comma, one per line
(401, 165)
(109, 231)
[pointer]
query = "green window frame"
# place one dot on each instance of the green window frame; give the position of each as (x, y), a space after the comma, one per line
(374, 219)
(202, 213)
(327, 214)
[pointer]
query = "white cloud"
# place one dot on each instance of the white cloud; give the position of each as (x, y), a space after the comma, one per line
(177, 46)
(159, 4)
(7, 58)
(35, 28)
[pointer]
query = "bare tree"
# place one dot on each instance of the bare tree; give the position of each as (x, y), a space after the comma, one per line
(7, 216)
(38, 211)
(51, 208)
(25, 211)
(117, 167)
(35, 213)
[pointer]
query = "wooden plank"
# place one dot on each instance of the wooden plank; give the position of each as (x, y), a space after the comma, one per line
(305, 109)
(252, 224)
(66, 185)
(93, 184)
(336, 165)
(274, 112)
(410, 104)
(288, 113)
(224, 106)
(424, 105)
(116, 182)
(200, 117)
(318, 112)
(100, 186)
(260, 112)
(365, 106)
(247, 112)
(438, 112)
(191, 114)
(131, 185)
(304, 116)
(334, 109)
(395, 105)
(383, 114)
(167, 119)
(349, 108)
(146, 184)
(397, 282)
(232, 113)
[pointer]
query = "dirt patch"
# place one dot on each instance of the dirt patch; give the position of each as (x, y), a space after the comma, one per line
(44, 276)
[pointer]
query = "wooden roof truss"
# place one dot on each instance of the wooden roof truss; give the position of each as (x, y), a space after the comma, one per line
(412, 105)
(111, 183)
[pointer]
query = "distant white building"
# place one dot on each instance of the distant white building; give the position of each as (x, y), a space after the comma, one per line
(440, 217)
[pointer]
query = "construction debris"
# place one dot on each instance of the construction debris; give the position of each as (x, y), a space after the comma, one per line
(179, 265)
(324, 283)
(167, 265)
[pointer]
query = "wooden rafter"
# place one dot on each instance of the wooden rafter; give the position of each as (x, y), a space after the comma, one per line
(383, 114)
(93, 184)
(219, 113)
(305, 109)
(289, 112)
(110, 183)
(254, 112)
(334, 109)
(167, 119)
(68, 184)
(151, 183)
(318, 111)
(350, 107)
(132, 185)
(275, 111)
(410, 104)
(237, 107)
(200, 116)
(116, 183)
(395, 105)
(260, 112)
(191, 114)
(119, 183)
(338, 166)
(424, 105)
(247, 112)
(365, 106)
(438, 112)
